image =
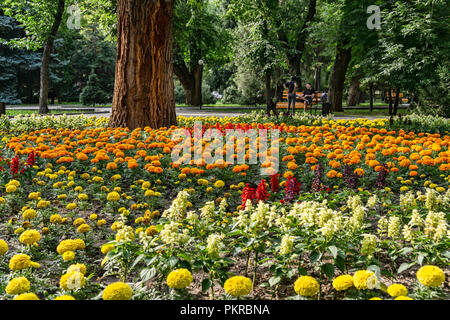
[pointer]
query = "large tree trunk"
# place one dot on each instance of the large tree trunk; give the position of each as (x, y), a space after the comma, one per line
(144, 89)
(353, 91)
(186, 79)
(197, 94)
(45, 64)
(2, 108)
(341, 62)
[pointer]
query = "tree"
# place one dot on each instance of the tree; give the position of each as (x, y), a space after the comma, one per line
(93, 93)
(144, 86)
(41, 20)
(412, 53)
(199, 35)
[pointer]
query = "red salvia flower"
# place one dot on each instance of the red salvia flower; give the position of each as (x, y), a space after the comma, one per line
(31, 159)
(248, 193)
(275, 183)
(15, 165)
(261, 193)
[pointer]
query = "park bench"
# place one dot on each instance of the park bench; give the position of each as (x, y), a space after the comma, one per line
(401, 96)
(299, 101)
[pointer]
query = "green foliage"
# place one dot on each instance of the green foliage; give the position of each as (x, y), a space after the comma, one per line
(92, 94)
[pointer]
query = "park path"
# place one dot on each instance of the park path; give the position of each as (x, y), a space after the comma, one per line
(183, 111)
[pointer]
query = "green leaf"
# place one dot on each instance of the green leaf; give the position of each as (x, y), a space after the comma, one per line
(302, 271)
(206, 284)
(333, 251)
(420, 258)
(173, 261)
(376, 269)
(328, 269)
(314, 256)
(403, 267)
(274, 280)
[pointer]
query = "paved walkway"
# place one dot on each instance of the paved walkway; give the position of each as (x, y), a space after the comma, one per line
(181, 111)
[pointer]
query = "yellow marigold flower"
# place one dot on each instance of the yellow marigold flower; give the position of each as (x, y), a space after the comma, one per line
(431, 276)
(72, 281)
(64, 297)
(67, 245)
(62, 196)
(360, 278)
(22, 261)
(29, 214)
(30, 237)
(113, 196)
(3, 247)
(17, 286)
(306, 286)
(93, 217)
(343, 282)
(403, 298)
(179, 279)
(375, 298)
(19, 230)
(2, 200)
(115, 226)
(78, 222)
(83, 196)
(151, 231)
(117, 291)
(14, 183)
(26, 296)
(219, 184)
(101, 222)
(78, 267)
(11, 189)
(71, 206)
(55, 218)
(34, 195)
(43, 204)
(397, 290)
(238, 286)
(84, 228)
(68, 256)
(80, 244)
(107, 248)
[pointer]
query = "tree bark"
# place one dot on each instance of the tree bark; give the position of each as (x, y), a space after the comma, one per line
(353, 92)
(390, 101)
(45, 63)
(186, 79)
(317, 73)
(197, 94)
(397, 100)
(341, 62)
(2, 108)
(144, 89)
(268, 80)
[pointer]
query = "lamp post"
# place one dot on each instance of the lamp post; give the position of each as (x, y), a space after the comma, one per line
(200, 63)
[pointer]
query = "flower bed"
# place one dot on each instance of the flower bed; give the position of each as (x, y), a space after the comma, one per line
(358, 210)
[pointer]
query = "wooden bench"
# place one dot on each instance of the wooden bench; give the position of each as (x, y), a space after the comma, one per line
(299, 101)
(401, 96)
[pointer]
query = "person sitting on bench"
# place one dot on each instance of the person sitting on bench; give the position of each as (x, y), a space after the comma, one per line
(308, 96)
(291, 86)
